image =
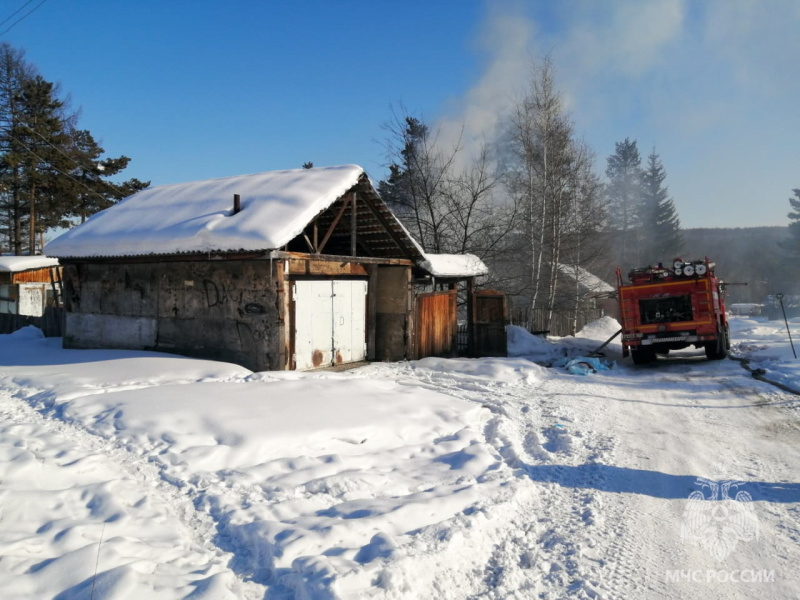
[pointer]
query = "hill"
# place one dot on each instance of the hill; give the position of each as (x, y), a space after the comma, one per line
(744, 254)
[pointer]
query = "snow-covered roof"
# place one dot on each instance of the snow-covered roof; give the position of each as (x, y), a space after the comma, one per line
(15, 264)
(454, 265)
(196, 216)
(590, 282)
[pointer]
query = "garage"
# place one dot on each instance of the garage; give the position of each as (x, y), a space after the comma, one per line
(330, 322)
(282, 270)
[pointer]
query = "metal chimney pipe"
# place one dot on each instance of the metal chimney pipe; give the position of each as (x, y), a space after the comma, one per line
(237, 204)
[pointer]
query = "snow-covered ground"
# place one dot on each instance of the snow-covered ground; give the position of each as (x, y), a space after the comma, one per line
(766, 345)
(144, 475)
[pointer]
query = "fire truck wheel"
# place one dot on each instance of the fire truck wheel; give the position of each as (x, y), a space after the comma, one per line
(718, 349)
(643, 356)
(662, 352)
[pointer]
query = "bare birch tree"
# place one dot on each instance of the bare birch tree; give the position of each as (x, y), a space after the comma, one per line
(549, 172)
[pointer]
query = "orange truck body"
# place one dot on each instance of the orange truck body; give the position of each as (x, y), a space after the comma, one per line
(664, 309)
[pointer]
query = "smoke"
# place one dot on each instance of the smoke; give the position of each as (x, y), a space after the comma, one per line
(585, 39)
(505, 39)
(713, 85)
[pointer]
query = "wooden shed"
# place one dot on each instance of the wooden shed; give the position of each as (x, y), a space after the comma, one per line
(293, 269)
(28, 284)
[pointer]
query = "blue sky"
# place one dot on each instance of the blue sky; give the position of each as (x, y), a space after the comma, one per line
(193, 90)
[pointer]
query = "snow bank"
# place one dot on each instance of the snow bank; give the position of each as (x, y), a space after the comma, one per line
(25, 263)
(600, 329)
(500, 370)
(523, 343)
(29, 332)
(552, 350)
(67, 504)
(196, 216)
(312, 483)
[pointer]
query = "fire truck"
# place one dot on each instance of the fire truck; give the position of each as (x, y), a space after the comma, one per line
(665, 309)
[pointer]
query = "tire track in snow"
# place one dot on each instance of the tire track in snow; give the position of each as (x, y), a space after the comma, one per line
(554, 552)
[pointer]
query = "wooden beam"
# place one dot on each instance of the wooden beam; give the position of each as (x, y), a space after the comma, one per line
(471, 349)
(311, 247)
(333, 225)
(56, 300)
(387, 226)
(282, 302)
(372, 310)
(353, 213)
(316, 236)
(367, 260)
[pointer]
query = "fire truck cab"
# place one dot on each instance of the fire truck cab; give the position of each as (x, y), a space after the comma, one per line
(665, 309)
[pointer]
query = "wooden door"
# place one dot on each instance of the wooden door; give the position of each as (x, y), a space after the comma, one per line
(490, 323)
(436, 324)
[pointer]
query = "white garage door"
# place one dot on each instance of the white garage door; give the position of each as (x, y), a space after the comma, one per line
(330, 322)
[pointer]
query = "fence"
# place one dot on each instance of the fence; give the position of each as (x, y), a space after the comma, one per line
(560, 325)
(462, 339)
(49, 323)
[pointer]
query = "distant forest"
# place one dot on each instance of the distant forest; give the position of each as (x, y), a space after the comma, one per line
(751, 255)
(746, 254)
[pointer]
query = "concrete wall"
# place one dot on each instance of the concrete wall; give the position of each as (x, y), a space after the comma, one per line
(393, 317)
(221, 310)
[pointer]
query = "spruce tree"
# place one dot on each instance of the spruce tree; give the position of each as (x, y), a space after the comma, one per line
(415, 184)
(792, 245)
(623, 194)
(661, 226)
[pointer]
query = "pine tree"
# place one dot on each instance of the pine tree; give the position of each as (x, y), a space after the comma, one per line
(308, 165)
(14, 71)
(661, 226)
(91, 192)
(40, 135)
(50, 171)
(623, 193)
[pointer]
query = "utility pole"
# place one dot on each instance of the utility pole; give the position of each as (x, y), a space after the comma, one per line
(785, 320)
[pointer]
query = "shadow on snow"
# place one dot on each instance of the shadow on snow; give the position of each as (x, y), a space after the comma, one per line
(620, 480)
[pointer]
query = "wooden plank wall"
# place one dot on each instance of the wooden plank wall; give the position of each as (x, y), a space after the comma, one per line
(436, 324)
(50, 323)
(35, 276)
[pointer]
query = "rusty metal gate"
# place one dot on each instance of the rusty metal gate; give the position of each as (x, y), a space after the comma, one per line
(436, 324)
(490, 319)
